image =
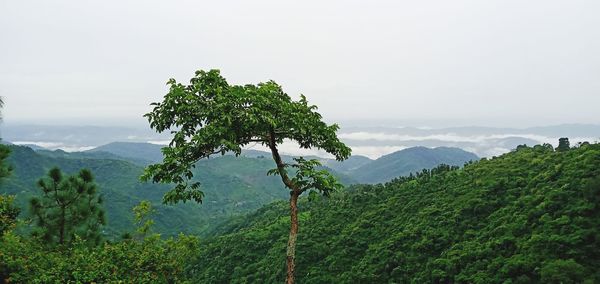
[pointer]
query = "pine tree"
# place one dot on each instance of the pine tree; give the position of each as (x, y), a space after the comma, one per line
(69, 206)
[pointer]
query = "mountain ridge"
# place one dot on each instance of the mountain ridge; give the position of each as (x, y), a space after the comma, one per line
(360, 168)
(404, 162)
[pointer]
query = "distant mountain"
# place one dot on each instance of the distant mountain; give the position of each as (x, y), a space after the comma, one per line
(232, 185)
(72, 136)
(347, 166)
(483, 141)
(408, 161)
(370, 141)
(356, 169)
(81, 155)
(148, 153)
(145, 153)
(34, 147)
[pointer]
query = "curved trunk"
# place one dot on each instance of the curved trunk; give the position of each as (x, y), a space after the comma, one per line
(291, 247)
(295, 192)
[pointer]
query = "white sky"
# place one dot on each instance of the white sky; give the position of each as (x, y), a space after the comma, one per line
(504, 63)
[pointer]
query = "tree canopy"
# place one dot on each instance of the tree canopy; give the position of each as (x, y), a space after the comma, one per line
(209, 117)
(69, 206)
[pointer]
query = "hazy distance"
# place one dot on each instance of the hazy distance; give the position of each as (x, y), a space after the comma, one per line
(372, 142)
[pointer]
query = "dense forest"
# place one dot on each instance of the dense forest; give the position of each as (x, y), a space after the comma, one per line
(531, 215)
(528, 216)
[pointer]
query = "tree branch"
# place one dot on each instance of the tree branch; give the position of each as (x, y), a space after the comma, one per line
(280, 165)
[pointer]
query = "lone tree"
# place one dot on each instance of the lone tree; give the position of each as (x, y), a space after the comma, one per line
(209, 117)
(68, 206)
(563, 144)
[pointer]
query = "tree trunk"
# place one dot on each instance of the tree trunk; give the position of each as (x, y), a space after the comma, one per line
(295, 192)
(62, 227)
(291, 247)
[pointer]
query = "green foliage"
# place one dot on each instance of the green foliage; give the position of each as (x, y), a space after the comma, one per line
(147, 260)
(141, 214)
(213, 117)
(308, 176)
(8, 213)
(5, 169)
(69, 206)
(529, 216)
(562, 271)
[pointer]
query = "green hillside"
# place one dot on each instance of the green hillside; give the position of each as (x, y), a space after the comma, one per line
(404, 162)
(528, 216)
(232, 186)
(116, 180)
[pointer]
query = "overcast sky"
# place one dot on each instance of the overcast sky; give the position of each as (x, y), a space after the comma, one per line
(498, 63)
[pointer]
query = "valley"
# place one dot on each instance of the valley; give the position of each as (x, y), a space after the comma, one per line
(233, 186)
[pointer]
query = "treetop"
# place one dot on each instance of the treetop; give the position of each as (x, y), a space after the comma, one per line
(209, 116)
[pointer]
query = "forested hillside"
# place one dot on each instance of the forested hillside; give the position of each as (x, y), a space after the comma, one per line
(529, 216)
(532, 215)
(232, 186)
